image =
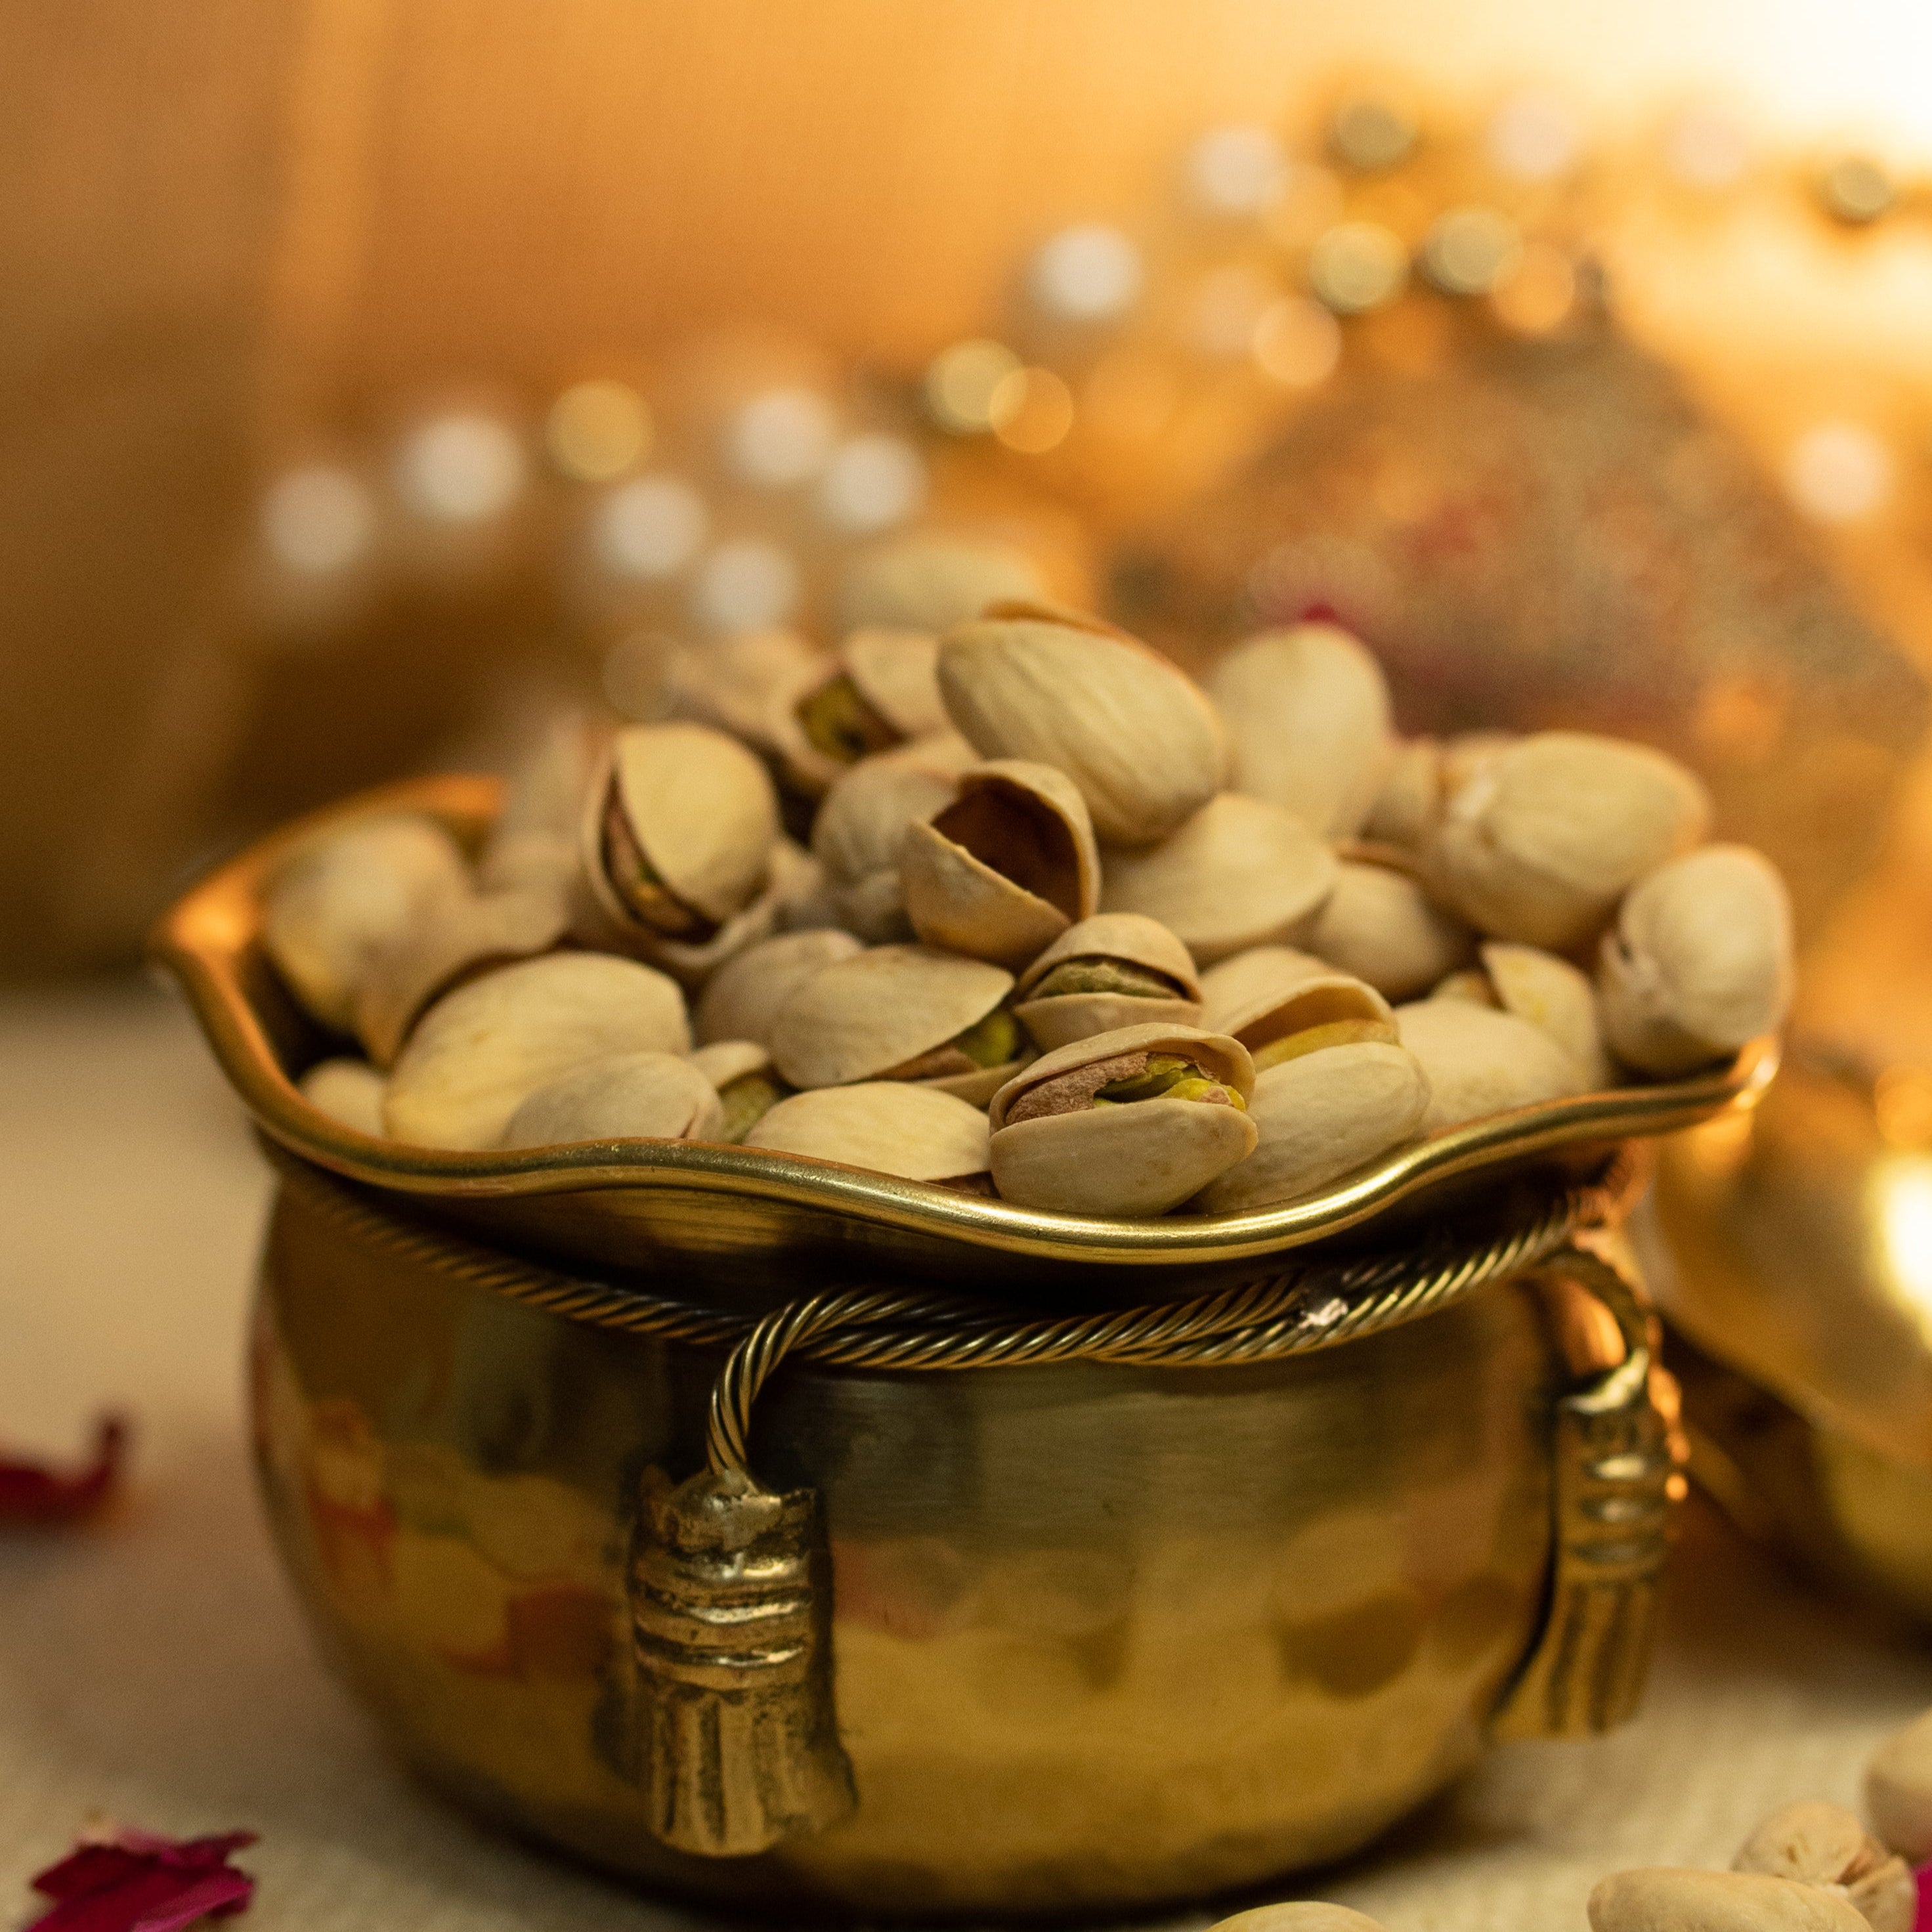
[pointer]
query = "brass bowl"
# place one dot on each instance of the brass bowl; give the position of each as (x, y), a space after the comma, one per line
(982, 1612)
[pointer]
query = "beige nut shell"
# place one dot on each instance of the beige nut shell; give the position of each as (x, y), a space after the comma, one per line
(1306, 1915)
(1479, 1061)
(895, 669)
(1006, 868)
(1379, 924)
(1819, 1843)
(725, 1060)
(1138, 738)
(928, 581)
(1898, 1790)
(349, 1091)
(1269, 991)
(1131, 937)
(1239, 872)
(860, 1017)
(1661, 1899)
(1307, 713)
(656, 1096)
(745, 683)
(1700, 962)
(1322, 1117)
(1136, 1160)
(479, 1051)
(743, 998)
(1554, 997)
(1543, 840)
(891, 1126)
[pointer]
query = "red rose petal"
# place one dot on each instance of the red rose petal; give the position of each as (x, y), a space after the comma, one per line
(1923, 1922)
(32, 1496)
(135, 1882)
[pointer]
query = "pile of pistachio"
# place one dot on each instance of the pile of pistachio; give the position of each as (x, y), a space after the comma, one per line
(1060, 924)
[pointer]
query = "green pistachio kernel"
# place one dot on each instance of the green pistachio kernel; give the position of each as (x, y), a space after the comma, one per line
(840, 722)
(1106, 976)
(1167, 1077)
(635, 880)
(747, 1099)
(990, 1042)
(1313, 1039)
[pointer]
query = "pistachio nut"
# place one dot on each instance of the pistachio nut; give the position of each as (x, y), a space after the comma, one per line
(1818, 1843)
(1469, 984)
(1381, 926)
(349, 1091)
(481, 1050)
(861, 827)
(917, 1133)
(629, 1097)
(1132, 1122)
(533, 845)
(748, 1085)
(1898, 1790)
(1698, 962)
(1554, 997)
(1300, 1915)
(1421, 776)
(340, 899)
(1306, 711)
(1239, 872)
(1280, 1003)
(745, 996)
(794, 876)
(1006, 868)
(452, 940)
(928, 581)
(746, 683)
(899, 1012)
(1117, 969)
(678, 831)
(1661, 1900)
(1544, 840)
(1321, 1114)
(1480, 1062)
(883, 692)
(1138, 738)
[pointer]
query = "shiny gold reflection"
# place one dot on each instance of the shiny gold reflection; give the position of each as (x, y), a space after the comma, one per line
(597, 431)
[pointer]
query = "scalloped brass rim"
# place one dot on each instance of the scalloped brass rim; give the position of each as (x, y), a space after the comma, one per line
(207, 937)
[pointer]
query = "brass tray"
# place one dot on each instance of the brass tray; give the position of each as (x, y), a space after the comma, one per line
(642, 1205)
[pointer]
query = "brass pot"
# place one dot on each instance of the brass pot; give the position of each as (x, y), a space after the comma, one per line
(757, 1563)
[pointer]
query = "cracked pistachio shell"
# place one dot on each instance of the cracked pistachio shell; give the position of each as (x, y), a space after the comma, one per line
(744, 683)
(924, 581)
(1699, 962)
(1898, 1790)
(744, 998)
(342, 898)
(1130, 938)
(1006, 868)
(454, 939)
(890, 1126)
(1269, 991)
(1307, 713)
(349, 1091)
(1381, 926)
(480, 1052)
(884, 688)
(1480, 1062)
(1321, 1117)
(1138, 738)
(1661, 1900)
(630, 1096)
(1556, 999)
(794, 876)
(1422, 775)
(1142, 1158)
(1818, 1843)
(1544, 840)
(896, 671)
(1306, 1915)
(859, 1018)
(861, 826)
(1239, 872)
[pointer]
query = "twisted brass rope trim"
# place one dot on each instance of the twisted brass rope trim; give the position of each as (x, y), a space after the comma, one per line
(1307, 1306)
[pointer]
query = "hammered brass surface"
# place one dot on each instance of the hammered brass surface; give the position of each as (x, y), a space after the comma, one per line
(731, 1211)
(1103, 1635)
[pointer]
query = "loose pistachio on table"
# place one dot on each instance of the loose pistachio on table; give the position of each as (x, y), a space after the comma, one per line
(891, 1126)
(1114, 970)
(1820, 1844)
(624, 1097)
(1898, 1790)
(1380, 924)
(1132, 1122)
(1661, 1899)
(1006, 868)
(747, 1083)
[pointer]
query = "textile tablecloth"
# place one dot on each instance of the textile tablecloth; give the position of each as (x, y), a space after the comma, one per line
(154, 1669)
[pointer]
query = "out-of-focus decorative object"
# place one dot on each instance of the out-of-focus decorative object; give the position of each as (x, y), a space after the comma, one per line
(33, 1496)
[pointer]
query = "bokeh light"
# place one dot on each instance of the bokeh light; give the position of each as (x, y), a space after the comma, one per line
(745, 585)
(466, 467)
(780, 438)
(318, 520)
(1033, 411)
(1297, 342)
(1089, 274)
(597, 431)
(1236, 170)
(962, 381)
(872, 482)
(1839, 472)
(649, 529)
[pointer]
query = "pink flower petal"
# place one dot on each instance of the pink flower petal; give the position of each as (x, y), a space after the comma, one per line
(33, 1496)
(136, 1882)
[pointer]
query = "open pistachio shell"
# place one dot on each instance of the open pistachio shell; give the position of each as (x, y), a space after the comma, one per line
(1542, 842)
(453, 940)
(339, 902)
(743, 998)
(1117, 969)
(928, 581)
(1270, 994)
(893, 1013)
(1660, 1899)
(692, 962)
(1137, 737)
(748, 1083)
(745, 683)
(1307, 710)
(1381, 926)
(1239, 872)
(1700, 962)
(1074, 1148)
(1554, 997)
(1006, 868)
(349, 1091)
(480, 1052)
(1480, 1062)
(861, 826)
(881, 691)
(1422, 775)
(1320, 1116)
(890, 1126)
(629, 1097)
